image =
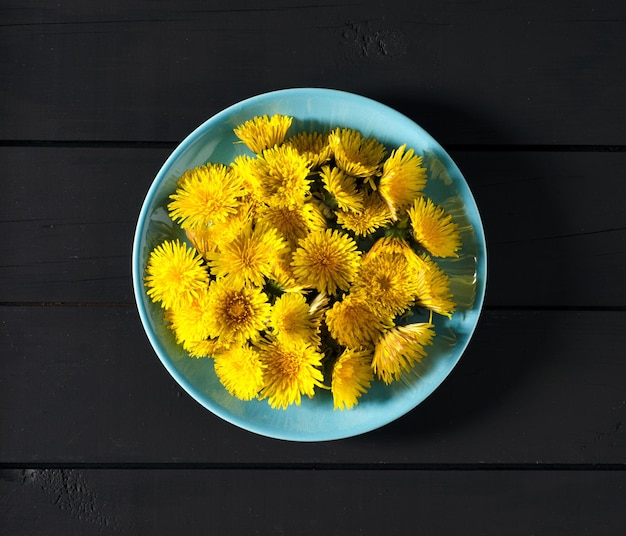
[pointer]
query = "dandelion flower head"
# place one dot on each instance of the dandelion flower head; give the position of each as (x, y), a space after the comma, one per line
(283, 279)
(250, 257)
(241, 371)
(353, 323)
(175, 274)
(312, 145)
(208, 195)
(291, 318)
(293, 222)
(356, 155)
(326, 260)
(352, 376)
(397, 246)
(434, 289)
(343, 189)
(373, 215)
(403, 179)
(237, 313)
(204, 348)
(388, 281)
(191, 322)
(292, 370)
(434, 229)
(244, 167)
(213, 237)
(263, 132)
(399, 349)
(283, 174)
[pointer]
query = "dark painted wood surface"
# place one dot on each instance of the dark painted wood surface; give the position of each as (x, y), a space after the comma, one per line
(533, 387)
(200, 501)
(526, 436)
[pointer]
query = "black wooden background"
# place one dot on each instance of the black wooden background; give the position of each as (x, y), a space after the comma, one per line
(528, 434)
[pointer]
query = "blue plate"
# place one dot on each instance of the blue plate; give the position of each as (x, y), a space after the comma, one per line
(315, 419)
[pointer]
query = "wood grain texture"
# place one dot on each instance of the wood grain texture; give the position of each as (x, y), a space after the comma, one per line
(313, 502)
(82, 385)
(488, 72)
(526, 436)
(554, 223)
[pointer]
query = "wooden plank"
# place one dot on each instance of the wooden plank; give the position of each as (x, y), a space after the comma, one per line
(68, 220)
(82, 385)
(554, 223)
(532, 72)
(309, 502)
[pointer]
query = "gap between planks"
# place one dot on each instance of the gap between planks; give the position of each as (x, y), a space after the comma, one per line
(572, 308)
(172, 144)
(538, 466)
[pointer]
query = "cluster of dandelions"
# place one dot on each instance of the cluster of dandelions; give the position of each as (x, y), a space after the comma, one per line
(307, 265)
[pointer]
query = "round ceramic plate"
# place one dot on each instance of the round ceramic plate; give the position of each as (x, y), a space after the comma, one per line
(315, 419)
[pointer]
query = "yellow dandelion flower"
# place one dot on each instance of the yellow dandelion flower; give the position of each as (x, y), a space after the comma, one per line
(244, 167)
(434, 289)
(351, 377)
(373, 215)
(240, 370)
(388, 244)
(190, 322)
(387, 281)
(397, 246)
(403, 179)
(263, 132)
(283, 174)
(292, 370)
(237, 313)
(354, 154)
(203, 240)
(343, 188)
(248, 258)
(175, 274)
(291, 318)
(312, 145)
(293, 222)
(326, 260)
(214, 237)
(399, 349)
(208, 195)
(204, 348)
(282, 276)
(353, 323)
(434, 229)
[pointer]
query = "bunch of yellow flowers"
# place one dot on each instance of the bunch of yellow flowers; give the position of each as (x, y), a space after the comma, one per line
(306, 263)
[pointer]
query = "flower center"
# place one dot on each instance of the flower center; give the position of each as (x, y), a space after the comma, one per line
(289, 364)
(384, 282)
(238, 309)
(325, 259)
